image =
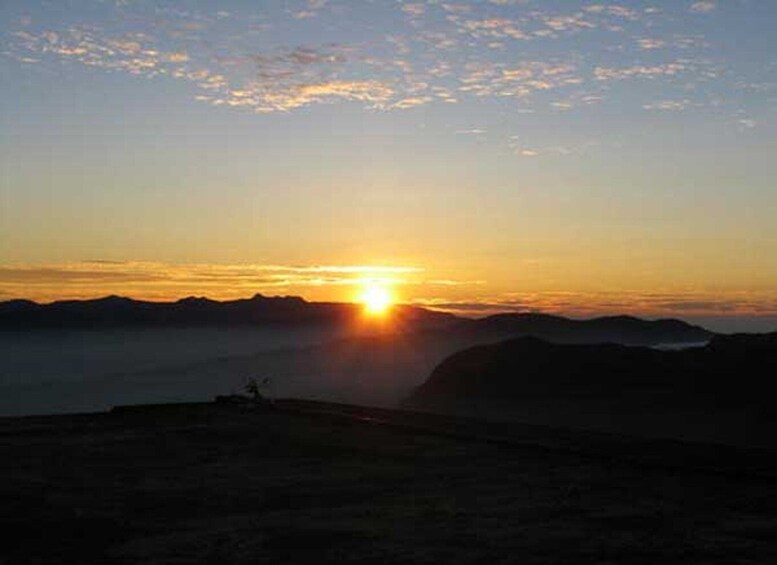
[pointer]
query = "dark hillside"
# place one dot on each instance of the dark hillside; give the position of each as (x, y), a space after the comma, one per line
(729, 383)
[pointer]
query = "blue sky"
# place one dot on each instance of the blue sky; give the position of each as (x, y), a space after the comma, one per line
(510, 146)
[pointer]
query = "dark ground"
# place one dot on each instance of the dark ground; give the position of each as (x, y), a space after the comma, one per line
(221, 484)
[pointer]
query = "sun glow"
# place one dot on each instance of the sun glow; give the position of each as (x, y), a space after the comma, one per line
(377, 299)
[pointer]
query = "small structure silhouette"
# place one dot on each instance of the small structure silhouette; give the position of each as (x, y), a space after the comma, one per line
(253, 396)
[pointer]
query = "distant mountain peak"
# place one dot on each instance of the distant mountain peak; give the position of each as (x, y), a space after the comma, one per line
(258, 297)
(196, 300)
(115, 298)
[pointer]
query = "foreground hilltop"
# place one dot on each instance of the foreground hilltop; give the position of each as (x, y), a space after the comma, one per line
(202, 484)
(721, 391)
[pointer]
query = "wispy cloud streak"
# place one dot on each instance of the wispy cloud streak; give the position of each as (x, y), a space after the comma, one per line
(151, 279)
(652, 304)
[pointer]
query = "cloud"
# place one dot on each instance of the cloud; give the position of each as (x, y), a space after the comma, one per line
(295, 96)
(655, 304)
(747, 123)
(518, 80)
(465, 308)
(302, 56)
(668, 105)
(648, 43)
(640, 71)
(703, 7)
(98, 277)
(450, 282)
(311, 10)
(443, 52)
(415, 9)
(520, 148)
(65, 275)
(567, 22)
(498, 28)
(412, 102)
(133, 53)
(612, 10)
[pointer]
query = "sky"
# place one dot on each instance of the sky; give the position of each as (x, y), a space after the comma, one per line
(497, 155)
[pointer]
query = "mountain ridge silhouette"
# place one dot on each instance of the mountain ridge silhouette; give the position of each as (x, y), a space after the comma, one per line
(118, 311)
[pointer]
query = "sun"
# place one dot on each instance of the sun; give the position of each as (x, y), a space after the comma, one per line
(377, 299)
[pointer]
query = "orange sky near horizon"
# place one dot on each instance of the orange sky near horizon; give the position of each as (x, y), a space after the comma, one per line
(408, 284)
